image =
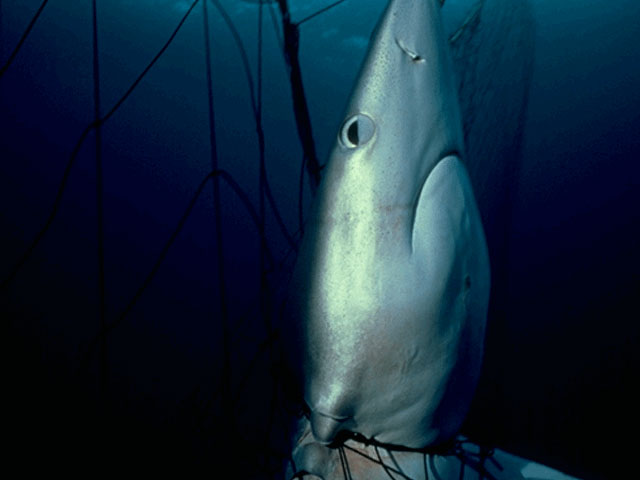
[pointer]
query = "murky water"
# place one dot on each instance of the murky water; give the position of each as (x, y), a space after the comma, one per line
(158, 374)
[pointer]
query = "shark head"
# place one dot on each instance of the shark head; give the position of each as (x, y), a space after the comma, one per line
(390, 291)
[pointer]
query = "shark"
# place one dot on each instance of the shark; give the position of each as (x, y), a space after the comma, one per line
(390, 293)
(393, 272)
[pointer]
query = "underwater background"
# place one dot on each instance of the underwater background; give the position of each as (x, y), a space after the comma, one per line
(185, 374)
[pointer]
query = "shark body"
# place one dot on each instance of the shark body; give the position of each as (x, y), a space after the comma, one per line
(391, 287)
(392, 282)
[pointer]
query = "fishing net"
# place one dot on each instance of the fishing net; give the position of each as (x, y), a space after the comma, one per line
(246, 405)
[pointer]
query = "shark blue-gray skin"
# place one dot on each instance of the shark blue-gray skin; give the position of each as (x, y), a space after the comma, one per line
(392, 280)
(391, 287)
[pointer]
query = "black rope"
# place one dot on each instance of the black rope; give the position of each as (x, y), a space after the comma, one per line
(296, 474)
(344, 469)
(239, 193)
(394, 461)
(261, 177)
(151, 63)
(276, 27)
(470, 19)
(23, 38)
(303, 120)
(453, 449)
(165, 249)
(265, 346)
(321, 11)
(384, 465)
(265, 309)
(301, 196)
(1, 30)
(345, 463)
(262, 348)
(99, 199)
(54, 210)
(376, 461)
(276, 213)
(259, 67)
(476, 461)
(254, 105)
(74, 154)
(217, 208)
(242, 50)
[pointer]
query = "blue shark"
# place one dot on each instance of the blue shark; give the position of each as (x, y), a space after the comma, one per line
(390, 292)
(392, 281)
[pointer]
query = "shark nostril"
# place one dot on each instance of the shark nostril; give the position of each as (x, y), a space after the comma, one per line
(357, 130)
(325, 428)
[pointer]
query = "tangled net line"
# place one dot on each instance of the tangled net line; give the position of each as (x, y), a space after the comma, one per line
(474, 459)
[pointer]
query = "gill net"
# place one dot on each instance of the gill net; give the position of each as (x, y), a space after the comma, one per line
(218, 411)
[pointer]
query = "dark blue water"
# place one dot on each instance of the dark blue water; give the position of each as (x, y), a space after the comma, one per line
(560, 368)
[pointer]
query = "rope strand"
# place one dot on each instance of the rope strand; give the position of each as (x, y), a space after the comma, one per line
(23, 38)
(319, 12)
(74, 154)
(99, 199)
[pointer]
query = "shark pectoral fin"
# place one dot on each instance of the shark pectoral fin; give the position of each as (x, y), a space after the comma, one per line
(438, 212)
(449, 251)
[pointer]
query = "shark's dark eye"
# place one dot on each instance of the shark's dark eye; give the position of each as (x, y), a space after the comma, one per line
(357, 130)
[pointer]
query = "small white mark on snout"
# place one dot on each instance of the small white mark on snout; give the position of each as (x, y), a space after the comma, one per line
(415, 57)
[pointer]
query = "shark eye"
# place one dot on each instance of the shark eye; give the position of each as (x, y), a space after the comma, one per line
(357, 130)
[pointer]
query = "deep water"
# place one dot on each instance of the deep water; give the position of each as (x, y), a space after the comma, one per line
(561, 362)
